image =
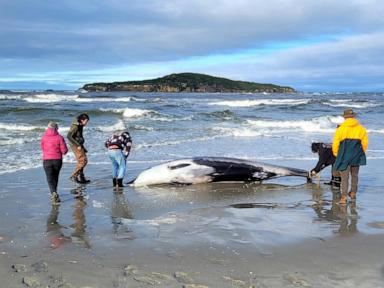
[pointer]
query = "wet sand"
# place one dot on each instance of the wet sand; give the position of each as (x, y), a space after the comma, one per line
(283, 233)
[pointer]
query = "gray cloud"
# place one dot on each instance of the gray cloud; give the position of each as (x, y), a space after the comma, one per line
(47, 36)
(352, 63)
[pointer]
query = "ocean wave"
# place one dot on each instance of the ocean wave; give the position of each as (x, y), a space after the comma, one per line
(140, 128)
(96, 99)
(12, 141)
(9, 97)
(20, 127)
(104, 99)
(17, 163)
(259, 102)
(171, 118)
(175, 142)
(49, 98)
(130, 112)
(351, 103)
(118, 126)
(376, 131)
(139, 113)
(325, 124)
(238, 132)
(224, 114)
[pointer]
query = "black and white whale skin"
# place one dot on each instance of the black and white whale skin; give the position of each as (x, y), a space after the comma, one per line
(212, 169)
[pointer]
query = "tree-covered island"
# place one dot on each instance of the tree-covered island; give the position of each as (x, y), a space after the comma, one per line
(189, 82)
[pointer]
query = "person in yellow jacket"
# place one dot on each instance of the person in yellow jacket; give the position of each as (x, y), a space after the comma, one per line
(349, 145)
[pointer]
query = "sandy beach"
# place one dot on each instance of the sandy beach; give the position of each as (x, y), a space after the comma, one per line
(283, 233)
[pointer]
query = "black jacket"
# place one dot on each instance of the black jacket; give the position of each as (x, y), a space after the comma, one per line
(326, 157)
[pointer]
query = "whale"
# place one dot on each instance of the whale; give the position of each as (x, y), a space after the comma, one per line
(199, 170)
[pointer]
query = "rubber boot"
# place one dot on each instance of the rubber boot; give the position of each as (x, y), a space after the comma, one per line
(336, 182)
(114, 182)
(83, 180)
(75, 178)
(120, 182)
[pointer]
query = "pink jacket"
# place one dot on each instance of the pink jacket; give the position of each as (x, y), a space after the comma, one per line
(53, 145)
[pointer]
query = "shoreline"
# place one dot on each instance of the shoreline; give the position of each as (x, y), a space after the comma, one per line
(212, 235)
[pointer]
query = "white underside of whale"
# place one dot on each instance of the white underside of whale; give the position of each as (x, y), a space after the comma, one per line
(192, 173)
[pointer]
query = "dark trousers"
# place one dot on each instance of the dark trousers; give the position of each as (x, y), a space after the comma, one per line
(52, 170)
(354, 172)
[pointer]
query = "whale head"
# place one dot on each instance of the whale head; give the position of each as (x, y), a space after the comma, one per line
(184, 171)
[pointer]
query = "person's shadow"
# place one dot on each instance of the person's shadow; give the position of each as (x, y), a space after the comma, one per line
(120, 210)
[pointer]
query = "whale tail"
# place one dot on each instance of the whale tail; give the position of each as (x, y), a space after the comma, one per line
(301, 173)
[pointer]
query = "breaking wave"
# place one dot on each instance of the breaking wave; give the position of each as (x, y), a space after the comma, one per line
(49, 98)
(9, 97)
(351, 103)
(130, 112)
(259, 102)
(326, 124)
(20, 127)
(238, 132)
(112, 128)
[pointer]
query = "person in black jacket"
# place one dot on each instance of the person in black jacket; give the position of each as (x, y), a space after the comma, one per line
(76, 142)
(326, 158)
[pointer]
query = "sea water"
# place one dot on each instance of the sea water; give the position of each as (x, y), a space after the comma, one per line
(273, 128)
(214, 230)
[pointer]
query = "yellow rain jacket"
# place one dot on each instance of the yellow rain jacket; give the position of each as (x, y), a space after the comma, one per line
(349, 145)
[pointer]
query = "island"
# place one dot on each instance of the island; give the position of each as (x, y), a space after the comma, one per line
(188, 82)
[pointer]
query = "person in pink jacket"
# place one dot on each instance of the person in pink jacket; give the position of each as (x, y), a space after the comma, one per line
(53, 147)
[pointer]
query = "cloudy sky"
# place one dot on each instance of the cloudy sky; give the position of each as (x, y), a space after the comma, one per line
(311, 45)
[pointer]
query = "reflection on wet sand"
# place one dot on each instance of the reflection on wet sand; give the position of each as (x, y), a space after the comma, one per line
(345, 215)
(120, 210)
(79, 234)
(55, 231)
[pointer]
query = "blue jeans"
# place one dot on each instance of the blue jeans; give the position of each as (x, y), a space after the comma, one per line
(118, 163)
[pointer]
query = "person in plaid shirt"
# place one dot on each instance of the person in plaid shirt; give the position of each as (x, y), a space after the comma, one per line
(119, 146)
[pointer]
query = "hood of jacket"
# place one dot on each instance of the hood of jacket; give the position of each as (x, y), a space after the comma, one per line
(350, 122)
(51, 132)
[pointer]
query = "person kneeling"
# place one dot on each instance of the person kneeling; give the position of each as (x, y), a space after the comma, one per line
(326, 158)
(119, 146)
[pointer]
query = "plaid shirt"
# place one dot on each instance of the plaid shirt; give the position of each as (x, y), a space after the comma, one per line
(123, 141)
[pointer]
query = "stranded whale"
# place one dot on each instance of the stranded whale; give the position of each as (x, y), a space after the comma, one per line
(212, 169)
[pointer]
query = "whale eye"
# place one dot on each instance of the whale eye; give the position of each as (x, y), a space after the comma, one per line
(178, 166)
